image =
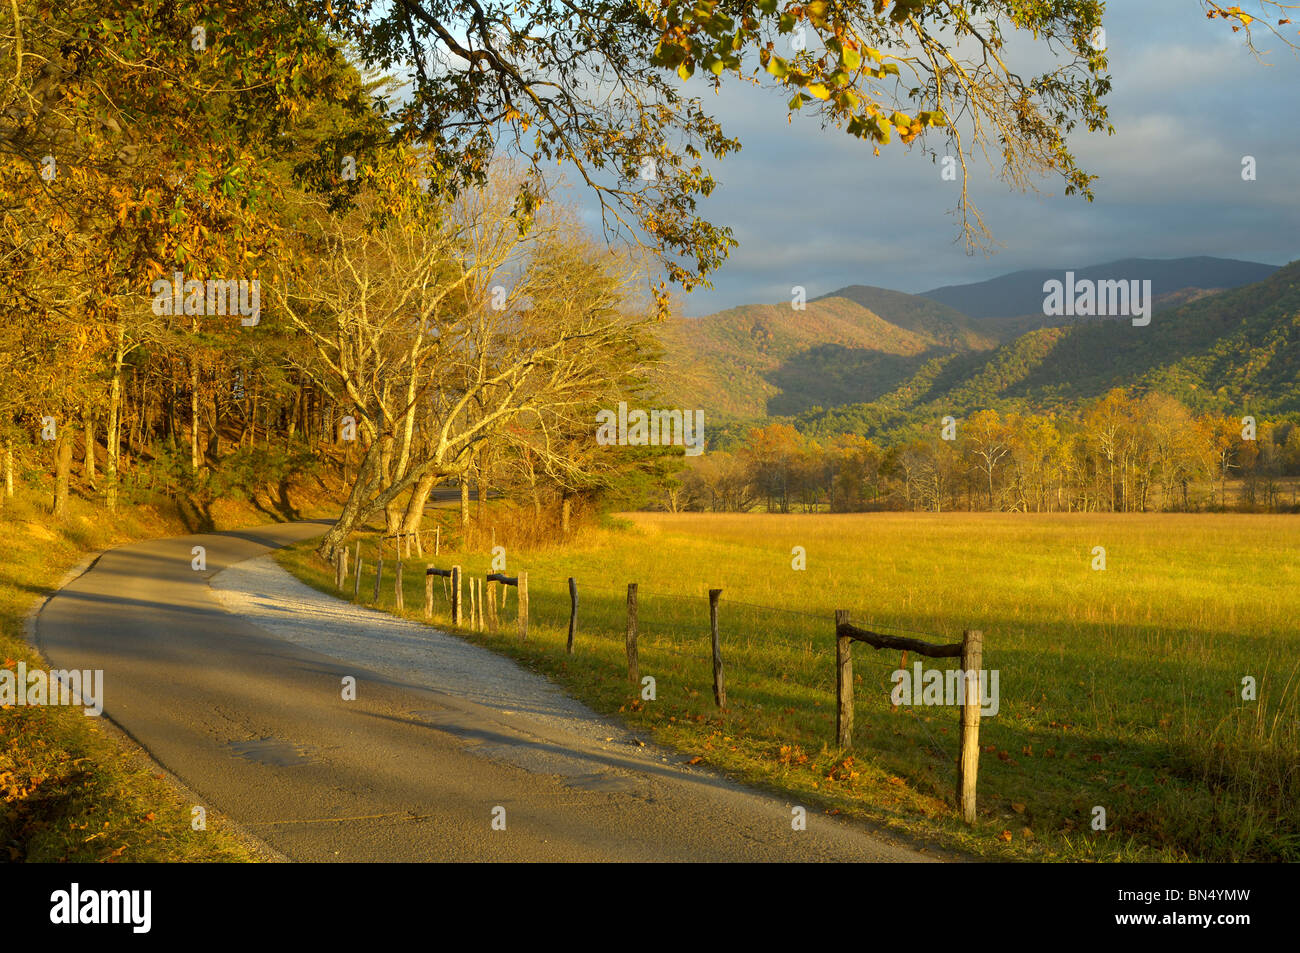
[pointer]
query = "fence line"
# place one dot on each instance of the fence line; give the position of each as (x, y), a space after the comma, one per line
(484, 609)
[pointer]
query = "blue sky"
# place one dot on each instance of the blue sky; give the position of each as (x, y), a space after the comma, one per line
(815, 208)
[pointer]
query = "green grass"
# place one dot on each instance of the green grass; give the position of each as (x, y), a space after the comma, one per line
(1119, 689)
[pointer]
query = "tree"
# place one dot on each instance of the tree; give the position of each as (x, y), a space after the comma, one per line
(773, 453)
(988, 439)
(514, 75)
(440, 325)
(857, 462)
(129, 148)
(1108, 423)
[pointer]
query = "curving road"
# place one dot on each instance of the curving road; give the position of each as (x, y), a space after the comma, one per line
(233, 684)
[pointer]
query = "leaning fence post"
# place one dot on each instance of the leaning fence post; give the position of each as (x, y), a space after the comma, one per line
(843, 682)
(719, 685)
(356, 581)
(343, 555)
(398, 595)
(428, 592)
(491, 606)
(573, 613)
(633, 666)
(455, 595)
(379, 574)
(972, 659)
(522, 599)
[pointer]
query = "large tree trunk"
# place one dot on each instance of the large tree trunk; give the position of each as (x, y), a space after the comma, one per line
(196, 458)
(114, 423)
(393, 509)
(141, 428)
(88, 456)
(419, 497)
(367, 478)
(214, 437)
(481, 502)
(464, 501)
(371, 494)
(62, 471)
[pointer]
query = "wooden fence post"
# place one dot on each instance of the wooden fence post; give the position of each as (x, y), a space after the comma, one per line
(573, 613)
(972, 659)
(428, 592)
(437, 539)
(843, 683)
(491, 595)
(356, 581)
(343, 555)
(476, 604)
(379, 574)
(719, 684)
(398, 594)
(633, 665)
(521, 598)
(455, 595)
(338, 570)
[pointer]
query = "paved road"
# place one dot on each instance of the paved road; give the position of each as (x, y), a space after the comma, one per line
(251, 717)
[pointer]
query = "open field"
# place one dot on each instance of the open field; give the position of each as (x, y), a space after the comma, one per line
(1120, 689)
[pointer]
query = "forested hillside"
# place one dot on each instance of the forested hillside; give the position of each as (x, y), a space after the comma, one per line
(1236, 351)
(851, 346)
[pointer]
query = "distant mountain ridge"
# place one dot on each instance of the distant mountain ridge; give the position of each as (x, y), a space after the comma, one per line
(1021, 292)
(866, 345)
(1236, 352)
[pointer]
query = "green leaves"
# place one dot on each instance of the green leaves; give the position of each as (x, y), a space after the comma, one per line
(778, 67)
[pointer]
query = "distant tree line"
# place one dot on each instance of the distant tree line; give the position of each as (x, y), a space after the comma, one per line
(1120, 453)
